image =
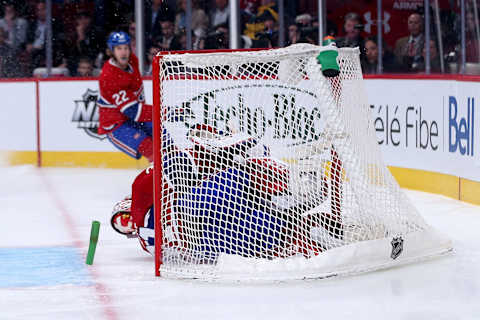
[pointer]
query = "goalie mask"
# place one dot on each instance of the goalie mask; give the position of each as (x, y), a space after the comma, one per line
(122, 220)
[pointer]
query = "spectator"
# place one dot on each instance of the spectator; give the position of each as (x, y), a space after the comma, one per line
(270, 22)
(294, 35)
(269, 37)
(304, 20)
(159, 10)
(471, 44)
(152, 52)
(253, 17)
(408, 50)
(152, 21)
(370, 60)
(102, 57)
(87, 41)
(199, 17)
(219, 39)
(224, 42)
(15, 27)
(36, 38)
(132, 28)
(434, 59)
(37, 29)
(305, 25)
(85, 68)
(352, 28)
(220, 14)
(168, 40)
(7, 57)
(182, 40)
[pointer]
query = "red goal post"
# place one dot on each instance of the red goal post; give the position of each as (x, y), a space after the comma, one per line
(157, 123)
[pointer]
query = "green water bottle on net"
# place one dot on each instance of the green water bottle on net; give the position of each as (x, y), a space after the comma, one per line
(327, 57)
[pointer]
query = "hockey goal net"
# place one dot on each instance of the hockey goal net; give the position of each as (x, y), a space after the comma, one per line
(267, 170)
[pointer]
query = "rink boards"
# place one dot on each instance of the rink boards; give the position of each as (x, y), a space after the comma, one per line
(428, 129)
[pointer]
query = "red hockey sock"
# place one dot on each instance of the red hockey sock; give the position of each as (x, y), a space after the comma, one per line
(146, 148)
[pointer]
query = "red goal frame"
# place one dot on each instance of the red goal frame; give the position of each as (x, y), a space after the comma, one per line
(157, 142)
(336, 167)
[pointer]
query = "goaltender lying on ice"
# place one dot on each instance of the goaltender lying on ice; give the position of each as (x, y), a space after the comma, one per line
(239, 195)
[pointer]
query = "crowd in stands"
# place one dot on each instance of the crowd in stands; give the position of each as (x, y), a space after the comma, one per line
(80, 29)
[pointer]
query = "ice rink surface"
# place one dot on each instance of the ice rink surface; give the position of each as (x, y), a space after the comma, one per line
(47, 213)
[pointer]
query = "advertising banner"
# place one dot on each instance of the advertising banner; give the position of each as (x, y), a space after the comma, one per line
(287, 115)
(69, 116)
(430, 125)
(18, 127)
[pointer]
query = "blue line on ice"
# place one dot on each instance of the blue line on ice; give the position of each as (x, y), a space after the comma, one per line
(46, 266)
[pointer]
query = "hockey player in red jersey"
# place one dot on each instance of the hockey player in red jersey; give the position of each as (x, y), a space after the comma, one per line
(124, 115)
(133, 216)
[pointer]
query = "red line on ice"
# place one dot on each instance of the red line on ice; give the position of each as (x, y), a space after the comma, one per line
(100, 289)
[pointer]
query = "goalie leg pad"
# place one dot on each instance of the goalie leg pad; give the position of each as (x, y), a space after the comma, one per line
(146, 235)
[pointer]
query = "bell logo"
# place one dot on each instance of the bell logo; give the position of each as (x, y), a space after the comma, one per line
(461, 129)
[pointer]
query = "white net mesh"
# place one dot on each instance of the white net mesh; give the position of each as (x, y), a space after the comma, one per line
(272, 171)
